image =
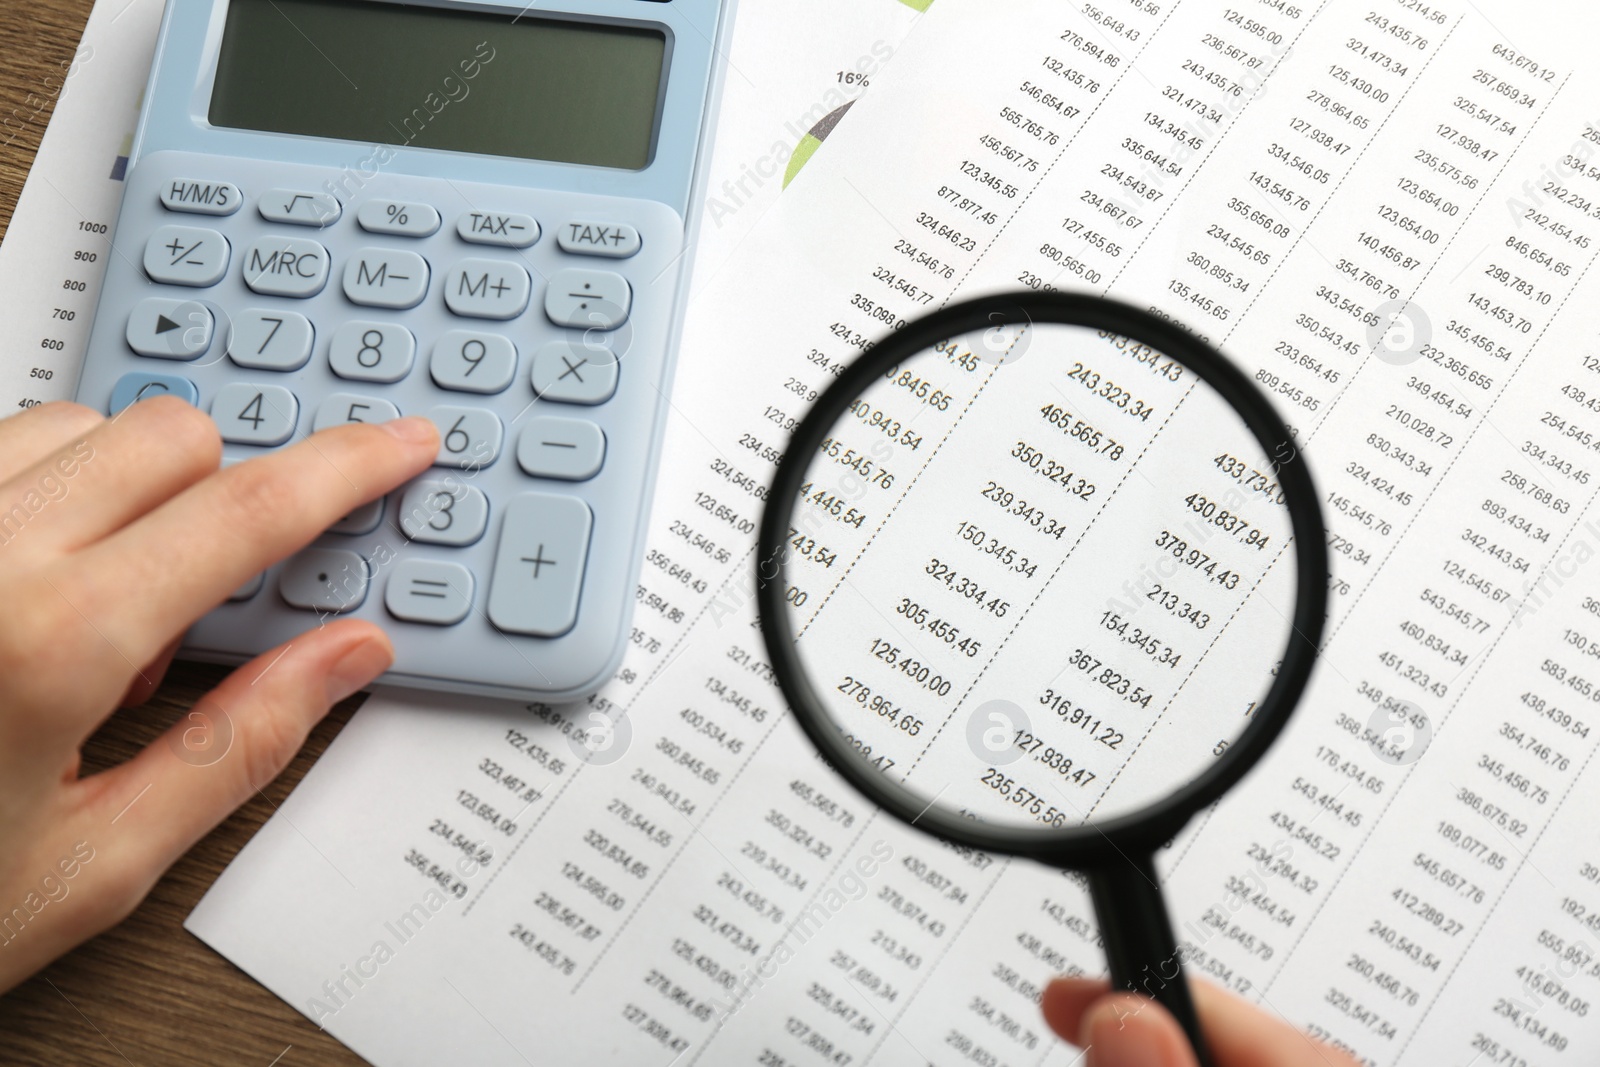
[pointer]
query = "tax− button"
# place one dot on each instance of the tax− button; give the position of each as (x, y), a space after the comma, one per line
(538, 566)
(186, 255)
(384, 278)
(170, 329)
(286, 266)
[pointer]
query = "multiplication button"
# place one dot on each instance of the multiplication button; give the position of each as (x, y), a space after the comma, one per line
(574, 374)
(538, 566)
(487, 289)
(186, 255)
(376, 277)
(170, 329)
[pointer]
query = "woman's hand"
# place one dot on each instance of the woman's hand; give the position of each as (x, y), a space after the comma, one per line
(1127, 1030)
(115, 536)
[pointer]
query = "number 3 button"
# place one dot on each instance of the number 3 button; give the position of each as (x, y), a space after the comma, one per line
(444, 513)
(255, 414)
(372, 351)
(469, 438)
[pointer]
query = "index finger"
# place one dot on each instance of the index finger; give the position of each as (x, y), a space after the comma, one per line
(187, 555)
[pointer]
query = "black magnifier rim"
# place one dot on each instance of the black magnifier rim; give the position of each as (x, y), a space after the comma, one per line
(1137, 832)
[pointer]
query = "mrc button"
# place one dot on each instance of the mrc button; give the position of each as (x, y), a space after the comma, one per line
(614, 239)
(286, 266)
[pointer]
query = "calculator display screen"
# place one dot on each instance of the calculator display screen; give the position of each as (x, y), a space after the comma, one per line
(466, 81)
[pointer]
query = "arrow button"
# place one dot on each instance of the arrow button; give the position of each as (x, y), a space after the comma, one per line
(170, 329)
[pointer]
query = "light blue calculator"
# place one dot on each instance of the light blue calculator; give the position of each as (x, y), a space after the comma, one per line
(349, 210)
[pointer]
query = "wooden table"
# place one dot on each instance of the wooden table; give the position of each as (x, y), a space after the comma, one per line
(146, 992)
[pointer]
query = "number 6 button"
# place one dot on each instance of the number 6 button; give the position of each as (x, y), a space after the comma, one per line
(255, 414)
(372, 351)
(468, 437)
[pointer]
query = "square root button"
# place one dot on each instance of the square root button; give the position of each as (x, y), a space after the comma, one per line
(538, 569)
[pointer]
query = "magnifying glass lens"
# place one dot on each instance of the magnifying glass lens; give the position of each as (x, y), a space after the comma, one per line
(1040, 575)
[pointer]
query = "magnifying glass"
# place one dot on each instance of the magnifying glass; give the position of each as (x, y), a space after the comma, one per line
(1045, 575)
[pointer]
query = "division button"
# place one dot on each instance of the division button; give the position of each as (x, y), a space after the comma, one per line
(487, 289)
(614, 239)
(538, 567)
(567, 449)
(300, 208)
(286, 266)
(255, 414)
(186, 255)
(429, 591)
(170, 329)
(201, 197)
(269, 339)
(493, 228)
(401, 218)
(443, 513)
(325, 579)
(375, 277)
(573, 373)
(596, 299)
(140, 385)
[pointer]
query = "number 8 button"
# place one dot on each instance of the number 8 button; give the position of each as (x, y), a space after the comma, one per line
(372, 351)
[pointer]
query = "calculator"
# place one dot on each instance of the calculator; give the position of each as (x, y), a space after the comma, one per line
(351, 210)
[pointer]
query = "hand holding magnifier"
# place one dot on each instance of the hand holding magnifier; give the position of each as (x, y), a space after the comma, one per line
(1045, 575)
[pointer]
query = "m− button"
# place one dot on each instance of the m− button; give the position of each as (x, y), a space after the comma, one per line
(286, 266)
(377, 277)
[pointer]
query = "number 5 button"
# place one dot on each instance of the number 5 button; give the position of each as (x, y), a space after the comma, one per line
(255, 414)
(468, 437)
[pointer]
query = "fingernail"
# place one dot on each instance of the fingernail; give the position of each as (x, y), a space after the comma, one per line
(413, 430)
(1116, 1034)
(358, 668)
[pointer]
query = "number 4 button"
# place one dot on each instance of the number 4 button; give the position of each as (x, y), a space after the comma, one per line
(255, 414)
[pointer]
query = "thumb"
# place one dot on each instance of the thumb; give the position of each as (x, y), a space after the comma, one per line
(1124, 1030)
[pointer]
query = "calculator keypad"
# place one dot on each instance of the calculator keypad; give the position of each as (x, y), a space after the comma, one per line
(283, 310)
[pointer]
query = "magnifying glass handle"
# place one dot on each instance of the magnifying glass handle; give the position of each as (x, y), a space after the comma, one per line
(1140, 947)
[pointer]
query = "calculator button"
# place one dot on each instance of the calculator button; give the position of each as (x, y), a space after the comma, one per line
(444, 513)
(509, 231)
(249, 588)
(132, 388)
(473, 362)
(286, 266)
(614, 239)
(385, 279)
(299, 208)
(424, 590)
(325, 579)
(574, 374)
(201, 197)
(468, 437)
(487, 289)
(593, 298)
(538, 568)
(569, 449)
(255, 414)
(372, 351)
(362, 520)
(270, 340)
(186, 255)
(340, 408)
(398, 217)
(170, 329)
